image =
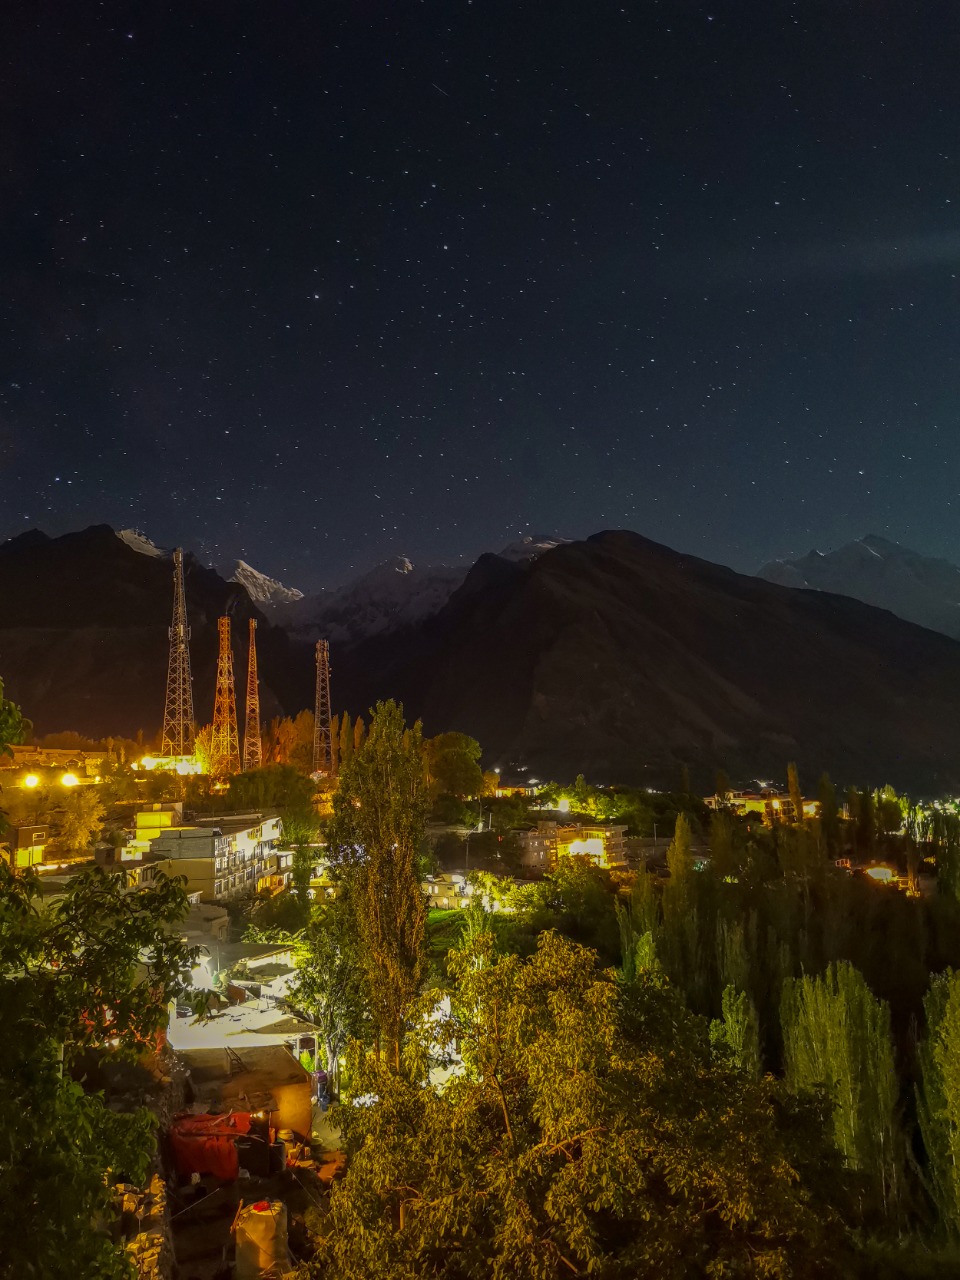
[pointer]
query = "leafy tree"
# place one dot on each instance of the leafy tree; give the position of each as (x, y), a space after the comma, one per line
(938, 1097)
(14, 728)
(301, 827)
(378, 827)
(453, 765)
(836, 1036)
(275, 786)
(737, 1031)
(329, 981)
(81, 820)
(359, 733)
(90, 973)
(587, 1132)
(867, 822)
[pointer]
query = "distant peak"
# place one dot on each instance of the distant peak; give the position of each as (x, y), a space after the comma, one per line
(531, 545)
(138, 541)
(261, 589)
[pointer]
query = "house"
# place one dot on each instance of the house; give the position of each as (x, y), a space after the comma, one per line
(771, 805)
(25, 845)
(264, 1078)
(545, 845)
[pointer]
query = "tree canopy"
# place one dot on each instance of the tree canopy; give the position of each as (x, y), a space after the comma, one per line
(590, 1132)
(89, 973)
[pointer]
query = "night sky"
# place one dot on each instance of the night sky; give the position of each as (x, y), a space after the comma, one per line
(318, 283)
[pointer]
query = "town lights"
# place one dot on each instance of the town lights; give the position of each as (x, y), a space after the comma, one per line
(69, 780)
(31, 781)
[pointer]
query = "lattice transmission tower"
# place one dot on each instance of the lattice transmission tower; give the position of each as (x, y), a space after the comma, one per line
(252, 749)
(322, 737)
(224, 743)
(178, 726)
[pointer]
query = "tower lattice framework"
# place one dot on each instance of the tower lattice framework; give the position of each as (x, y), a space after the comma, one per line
(178, 727)
(225, 741)
(322, 737)
(252, 749)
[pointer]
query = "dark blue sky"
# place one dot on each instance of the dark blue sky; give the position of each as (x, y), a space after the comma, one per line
(316, 284)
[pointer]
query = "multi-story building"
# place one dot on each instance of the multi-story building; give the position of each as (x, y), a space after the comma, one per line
(603, 843)
(221, 857)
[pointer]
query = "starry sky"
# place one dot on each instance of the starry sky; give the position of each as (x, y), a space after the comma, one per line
(317, 284)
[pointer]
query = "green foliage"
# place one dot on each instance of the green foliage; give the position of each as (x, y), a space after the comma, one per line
(590, 1132)
(89, 973)
(453, 765)
(938, 1098)
(80, 821)
(14, 728)
(329, 983)
(737, 1032)
(275, 786)
(375, 839)
(837, 1037)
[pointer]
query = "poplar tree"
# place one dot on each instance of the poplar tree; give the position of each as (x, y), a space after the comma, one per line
(938, 1097)
(836, 1036)
(829, 816)
(737, 1031)
(796, 795)
(346, 738)
(378, 825)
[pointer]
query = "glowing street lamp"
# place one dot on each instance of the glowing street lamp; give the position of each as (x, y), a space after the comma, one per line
(69, 780)
(31, 781)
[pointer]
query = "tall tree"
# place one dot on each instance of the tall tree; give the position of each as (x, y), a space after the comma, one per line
(453, 765)
(796, 795)
(329, 981)
(89, 973)
(378, 826)
(938, 1097)
(836, 1036)
(829, 816)
(346, 738)
(737, 1031)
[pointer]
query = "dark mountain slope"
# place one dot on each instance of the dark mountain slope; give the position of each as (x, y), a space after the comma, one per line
(83, 633)
(620, 657)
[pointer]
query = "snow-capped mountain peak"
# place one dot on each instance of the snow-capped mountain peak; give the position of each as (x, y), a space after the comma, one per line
(138, 541)
(922, 589)
(261, 589)
(530, 546)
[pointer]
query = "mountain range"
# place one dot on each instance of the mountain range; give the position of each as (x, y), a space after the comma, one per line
(919, 588)
(613, 656)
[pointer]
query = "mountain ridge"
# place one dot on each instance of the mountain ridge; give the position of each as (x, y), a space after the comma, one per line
(919, 588)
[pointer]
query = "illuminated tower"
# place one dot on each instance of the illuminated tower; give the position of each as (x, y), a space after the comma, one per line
(224, 743)
(177, 738)
(322, 740)
(252, 752)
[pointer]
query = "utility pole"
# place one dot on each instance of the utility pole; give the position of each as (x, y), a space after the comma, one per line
(252, 749)
(178, 726)
(224, 746)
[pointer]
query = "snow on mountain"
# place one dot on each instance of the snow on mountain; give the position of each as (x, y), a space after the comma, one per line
(394, 594)
(138, 541)
(263, 591)
(531, 546)
(919, 588)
